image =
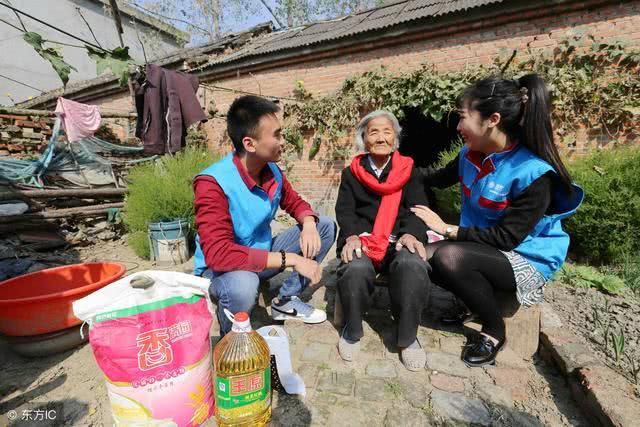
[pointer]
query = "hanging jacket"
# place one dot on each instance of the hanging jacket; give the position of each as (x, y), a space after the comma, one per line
(488, 185)
(167, 105)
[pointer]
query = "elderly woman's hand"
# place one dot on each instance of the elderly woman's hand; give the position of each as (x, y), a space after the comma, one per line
(353, 244)
(412, 244)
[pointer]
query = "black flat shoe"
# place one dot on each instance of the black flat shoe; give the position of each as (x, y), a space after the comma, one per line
(458, 316)
(482, 352)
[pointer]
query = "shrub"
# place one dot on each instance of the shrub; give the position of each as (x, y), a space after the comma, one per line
(162, 191)
(584, 276)
(628, 270)
(448, 200)
(606, 228)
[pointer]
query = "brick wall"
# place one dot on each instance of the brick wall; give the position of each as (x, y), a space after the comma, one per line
(23, 137)
(317, 180)
(26, 137)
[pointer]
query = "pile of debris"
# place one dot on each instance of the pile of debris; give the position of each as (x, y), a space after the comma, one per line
(22, 209)
(42, 238)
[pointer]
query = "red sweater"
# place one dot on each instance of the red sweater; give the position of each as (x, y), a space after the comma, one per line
(215, 227)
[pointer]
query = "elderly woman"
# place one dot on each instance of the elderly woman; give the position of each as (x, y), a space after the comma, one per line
(378, 233)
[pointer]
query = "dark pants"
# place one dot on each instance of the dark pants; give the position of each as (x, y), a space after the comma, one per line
(474, 272)
(408, 288)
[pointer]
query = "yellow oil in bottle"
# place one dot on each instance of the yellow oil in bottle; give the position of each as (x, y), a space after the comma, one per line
(241, 364)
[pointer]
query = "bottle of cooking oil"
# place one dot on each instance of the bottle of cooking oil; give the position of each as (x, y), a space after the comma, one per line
(241, 363)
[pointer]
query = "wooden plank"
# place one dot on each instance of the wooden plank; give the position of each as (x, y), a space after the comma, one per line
(72, 192)
(61, 213)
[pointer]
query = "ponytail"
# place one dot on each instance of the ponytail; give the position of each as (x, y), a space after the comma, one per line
(524, 105)
(537, 130)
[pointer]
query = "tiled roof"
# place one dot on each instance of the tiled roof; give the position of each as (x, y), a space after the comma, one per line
(261, 40)
(353, 25)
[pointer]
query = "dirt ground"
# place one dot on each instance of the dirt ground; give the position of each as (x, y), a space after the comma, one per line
(73, 380)
(593, 315)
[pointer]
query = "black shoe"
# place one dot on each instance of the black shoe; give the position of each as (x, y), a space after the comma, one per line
(458, 316)
(482, 352)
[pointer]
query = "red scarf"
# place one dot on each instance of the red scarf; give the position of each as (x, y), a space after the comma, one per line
(391, 191)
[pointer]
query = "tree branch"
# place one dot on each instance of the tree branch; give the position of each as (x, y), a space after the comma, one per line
(88, 26)
(205, 31)
(19, 18)
(144, 53)
(11, 25)
(264, 3)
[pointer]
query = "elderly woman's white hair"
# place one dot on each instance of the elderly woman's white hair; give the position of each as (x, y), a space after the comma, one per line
(362, 127)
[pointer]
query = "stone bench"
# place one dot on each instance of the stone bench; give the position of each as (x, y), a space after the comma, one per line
(522, 324)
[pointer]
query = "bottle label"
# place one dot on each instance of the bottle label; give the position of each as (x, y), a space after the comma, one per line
(239, 396)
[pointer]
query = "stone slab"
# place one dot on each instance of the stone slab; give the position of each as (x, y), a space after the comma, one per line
(382, 369)
(606, 395)
(336, 382)
(458, 408)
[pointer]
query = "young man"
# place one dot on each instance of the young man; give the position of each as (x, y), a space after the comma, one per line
(236, 199)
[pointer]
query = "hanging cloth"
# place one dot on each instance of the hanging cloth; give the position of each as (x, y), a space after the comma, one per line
(78, 120)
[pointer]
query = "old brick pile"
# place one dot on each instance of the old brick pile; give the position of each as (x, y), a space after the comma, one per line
(24, 137)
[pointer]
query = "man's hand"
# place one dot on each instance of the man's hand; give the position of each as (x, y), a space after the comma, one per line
(412, 244)
(308, 268)
(354, 244)
(309, 239)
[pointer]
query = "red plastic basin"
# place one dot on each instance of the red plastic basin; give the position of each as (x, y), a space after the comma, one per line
(40, 302)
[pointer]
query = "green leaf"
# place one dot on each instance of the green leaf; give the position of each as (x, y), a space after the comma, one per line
(612, 284)
(116, 61)
(315, 147)
(62, 68)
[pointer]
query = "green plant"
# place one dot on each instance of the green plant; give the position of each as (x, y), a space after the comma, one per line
(595, 87)
(607, 226)
(618, 345)
(448, 200)
(162, 191)
(629, 271)
(395, 389)
(584, 276)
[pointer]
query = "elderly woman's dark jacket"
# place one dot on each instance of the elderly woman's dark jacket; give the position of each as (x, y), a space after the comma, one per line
(357, 206)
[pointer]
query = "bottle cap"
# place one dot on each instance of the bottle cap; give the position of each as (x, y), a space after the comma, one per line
(240, 321)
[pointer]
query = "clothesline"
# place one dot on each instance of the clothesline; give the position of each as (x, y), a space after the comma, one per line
(216, 87)
(47, 113)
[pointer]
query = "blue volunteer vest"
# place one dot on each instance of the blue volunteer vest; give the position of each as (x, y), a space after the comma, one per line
(488, 185)
(251, 210)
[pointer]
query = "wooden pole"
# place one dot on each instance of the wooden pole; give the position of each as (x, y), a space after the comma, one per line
(93, 210)
(96, 193)
(46, 113)
(116, 19)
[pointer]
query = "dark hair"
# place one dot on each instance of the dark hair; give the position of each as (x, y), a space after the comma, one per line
(244, 116)
(524, 106)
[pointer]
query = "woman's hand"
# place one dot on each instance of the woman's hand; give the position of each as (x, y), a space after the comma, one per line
(413, 245)
(431, 219)
(354, 244)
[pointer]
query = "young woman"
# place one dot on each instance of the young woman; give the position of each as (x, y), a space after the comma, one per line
(515, 192)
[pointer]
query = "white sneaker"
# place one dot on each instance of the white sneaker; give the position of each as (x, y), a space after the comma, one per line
(296, 309)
